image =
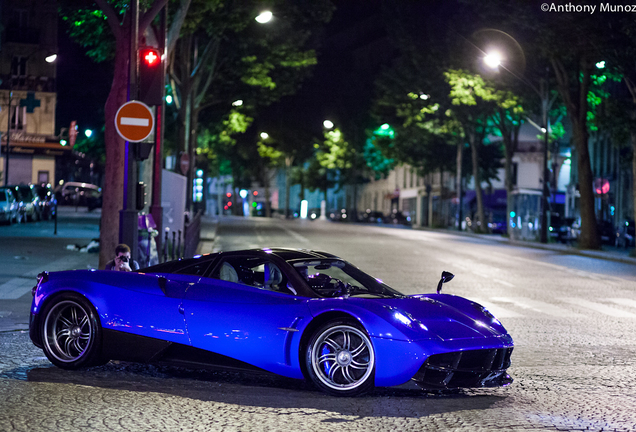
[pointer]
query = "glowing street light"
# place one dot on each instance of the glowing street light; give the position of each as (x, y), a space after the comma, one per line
(237, 103)
(328, 124)
(493, 59)
(264, 135)
(50, 58)
(264, 17)
(88, 133)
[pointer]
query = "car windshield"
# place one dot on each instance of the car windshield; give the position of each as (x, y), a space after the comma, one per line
(335, 278)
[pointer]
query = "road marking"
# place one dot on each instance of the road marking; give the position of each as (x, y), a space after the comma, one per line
(15, 288)
(498, 311)
(538, 306)
(598, 307)
(623, 302)
(508, 284)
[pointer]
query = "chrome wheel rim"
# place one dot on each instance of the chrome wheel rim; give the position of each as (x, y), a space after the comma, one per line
(342, 357)
(68, 330)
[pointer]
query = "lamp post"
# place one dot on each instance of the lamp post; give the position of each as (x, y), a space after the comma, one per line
(493, 60)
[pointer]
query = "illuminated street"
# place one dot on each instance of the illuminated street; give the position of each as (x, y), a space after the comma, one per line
(572, 318)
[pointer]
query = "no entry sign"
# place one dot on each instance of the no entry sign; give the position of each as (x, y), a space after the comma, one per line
(134, 121)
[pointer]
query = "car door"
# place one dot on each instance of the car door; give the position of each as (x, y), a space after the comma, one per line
(246, 311)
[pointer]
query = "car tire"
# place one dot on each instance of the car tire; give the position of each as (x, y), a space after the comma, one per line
(340, 360)
(71, 332)
(18, 218)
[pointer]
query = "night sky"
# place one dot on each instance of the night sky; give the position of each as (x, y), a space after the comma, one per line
(83, 85)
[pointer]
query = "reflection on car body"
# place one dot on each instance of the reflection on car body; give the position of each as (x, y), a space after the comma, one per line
(295, 313)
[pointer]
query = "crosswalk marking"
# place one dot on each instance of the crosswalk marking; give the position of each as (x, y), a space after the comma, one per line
(538, 306)
(599, 307)
(623, 302)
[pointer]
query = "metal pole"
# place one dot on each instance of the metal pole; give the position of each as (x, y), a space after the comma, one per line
(128, 223)
(156, 210)
(544, 193)
(6, 159)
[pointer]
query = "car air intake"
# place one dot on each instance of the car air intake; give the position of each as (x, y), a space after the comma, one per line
(473, 368)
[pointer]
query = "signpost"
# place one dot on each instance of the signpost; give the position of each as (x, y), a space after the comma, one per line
(134, 121)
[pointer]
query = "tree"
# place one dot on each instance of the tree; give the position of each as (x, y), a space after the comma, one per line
(90, 27)
(227, 57)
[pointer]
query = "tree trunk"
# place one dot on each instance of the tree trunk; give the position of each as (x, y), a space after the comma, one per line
(589, 232)
(482, 226)
(113, 194)
(576, 104)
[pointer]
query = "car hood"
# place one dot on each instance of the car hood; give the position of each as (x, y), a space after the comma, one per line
(440, 316)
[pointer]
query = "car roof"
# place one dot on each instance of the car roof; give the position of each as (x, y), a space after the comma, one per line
(286, 254)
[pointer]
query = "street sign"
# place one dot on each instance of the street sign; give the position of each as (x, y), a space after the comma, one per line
(184, 163)
(134, 121)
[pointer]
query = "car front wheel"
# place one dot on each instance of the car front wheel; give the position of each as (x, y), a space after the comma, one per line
(340, 359)
(71, 332)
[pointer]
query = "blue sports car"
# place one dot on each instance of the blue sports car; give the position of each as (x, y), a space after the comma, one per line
(295, 313)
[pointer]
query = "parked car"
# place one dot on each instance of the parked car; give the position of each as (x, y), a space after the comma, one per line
(398, 218)
(372, 217)
(48, 202)
(30, 202)
(9, 207)
(340, 215)
(313, 213)
(294, 313)
(607, 232)
(625, 234)
(79, 194)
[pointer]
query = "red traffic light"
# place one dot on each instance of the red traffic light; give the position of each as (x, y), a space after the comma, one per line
(151, 58)
(151, 76)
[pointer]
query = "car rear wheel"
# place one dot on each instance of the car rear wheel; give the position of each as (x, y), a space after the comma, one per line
(340, 359)
(71, 332)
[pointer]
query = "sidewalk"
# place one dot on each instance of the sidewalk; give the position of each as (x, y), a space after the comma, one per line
(608, 252)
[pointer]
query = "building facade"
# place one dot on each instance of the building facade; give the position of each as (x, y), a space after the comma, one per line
(29, 145)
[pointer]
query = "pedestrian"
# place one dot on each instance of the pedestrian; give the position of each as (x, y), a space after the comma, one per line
(122, 260)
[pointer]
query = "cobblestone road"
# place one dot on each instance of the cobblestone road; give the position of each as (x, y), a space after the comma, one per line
(574, 364)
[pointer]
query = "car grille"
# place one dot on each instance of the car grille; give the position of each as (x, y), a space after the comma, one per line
(460, 369)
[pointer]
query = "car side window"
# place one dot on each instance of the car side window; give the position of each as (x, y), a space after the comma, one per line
(253, 271)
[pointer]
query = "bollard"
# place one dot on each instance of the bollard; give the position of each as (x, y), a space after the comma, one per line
(179, 255)
(174, 234)
(165, 247)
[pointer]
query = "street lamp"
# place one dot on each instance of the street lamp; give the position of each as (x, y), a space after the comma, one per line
(264, 17)
(494, 60)
(328, 124)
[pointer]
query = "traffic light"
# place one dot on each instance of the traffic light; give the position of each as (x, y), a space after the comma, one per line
(151, 76)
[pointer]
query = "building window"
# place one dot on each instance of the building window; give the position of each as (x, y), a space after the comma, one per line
(18, 66)
(18, 118)
(43, 177)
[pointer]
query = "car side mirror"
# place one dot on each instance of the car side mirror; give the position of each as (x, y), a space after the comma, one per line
(446, 277)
